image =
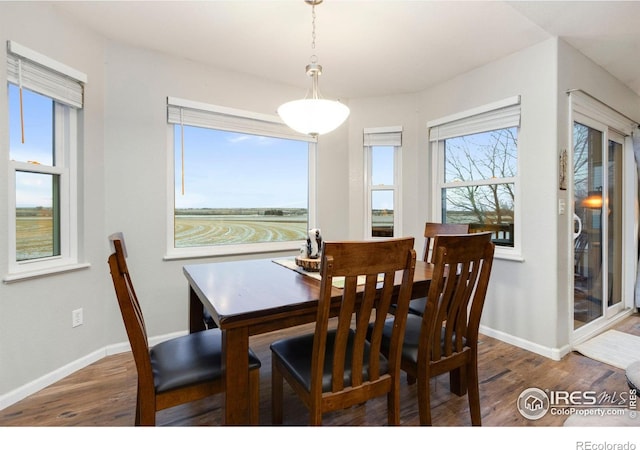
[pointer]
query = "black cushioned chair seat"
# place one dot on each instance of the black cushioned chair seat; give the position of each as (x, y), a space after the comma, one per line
(411, 337)
(193, 358)
(295, 353)
(416, 306)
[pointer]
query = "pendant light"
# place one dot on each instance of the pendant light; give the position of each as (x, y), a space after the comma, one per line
(315, 115)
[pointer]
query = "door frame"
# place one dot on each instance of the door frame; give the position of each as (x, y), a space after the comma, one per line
(592, 113)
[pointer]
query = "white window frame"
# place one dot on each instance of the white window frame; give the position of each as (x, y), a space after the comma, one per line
(193, 113)
(493, 116)
(383, 137)
(64, 86)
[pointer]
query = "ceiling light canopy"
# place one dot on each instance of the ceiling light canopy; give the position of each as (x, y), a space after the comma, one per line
(315, 115)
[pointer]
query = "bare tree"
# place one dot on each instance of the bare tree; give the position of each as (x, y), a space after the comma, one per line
(482, 157)
(581, 142)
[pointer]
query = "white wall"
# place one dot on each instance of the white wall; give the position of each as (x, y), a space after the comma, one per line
(521, 303)
(36, 337)
(136, 162)
(382, 112)
(529, 301)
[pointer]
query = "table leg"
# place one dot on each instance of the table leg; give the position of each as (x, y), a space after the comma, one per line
(235, 348)
(196, 317)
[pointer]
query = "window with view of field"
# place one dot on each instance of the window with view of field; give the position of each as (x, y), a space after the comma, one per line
(382, 191)
(45, 98)
(382, 152)
(238, 188)
(36, 191)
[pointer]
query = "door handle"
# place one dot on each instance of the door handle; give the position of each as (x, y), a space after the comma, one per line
(576, 220)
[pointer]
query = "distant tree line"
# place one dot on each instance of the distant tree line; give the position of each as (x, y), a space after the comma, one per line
(37, 211)
(241, 211)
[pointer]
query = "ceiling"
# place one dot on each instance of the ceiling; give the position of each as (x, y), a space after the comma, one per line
(367, 47)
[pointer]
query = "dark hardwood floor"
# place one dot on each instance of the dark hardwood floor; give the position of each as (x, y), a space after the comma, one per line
(103, 394)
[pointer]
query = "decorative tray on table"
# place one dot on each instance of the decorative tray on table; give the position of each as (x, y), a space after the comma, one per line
(308, 264)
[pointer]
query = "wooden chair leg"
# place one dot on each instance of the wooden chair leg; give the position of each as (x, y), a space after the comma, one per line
(137, 419)
(137, 422)
(147, 414)
(458, 381)
(145, 410)
(254, 396)
(424, 400)
(393, 406)
(315, 416)
(277, 382)
(474, 396)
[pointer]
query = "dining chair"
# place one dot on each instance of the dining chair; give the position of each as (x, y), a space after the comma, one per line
(431, 230)
(176, 371)
(445, 338)
(337, 367)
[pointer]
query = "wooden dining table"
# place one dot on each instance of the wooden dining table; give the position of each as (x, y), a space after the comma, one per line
(256, 296)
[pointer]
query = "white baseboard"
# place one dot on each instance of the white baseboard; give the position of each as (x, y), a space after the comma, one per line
(42, 382)
(555, 353)
(36, 385)
(548, 352)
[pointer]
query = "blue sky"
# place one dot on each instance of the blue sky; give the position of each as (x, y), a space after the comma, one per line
(232, 170)
(222, 169)
(31, 189)
(382, 174)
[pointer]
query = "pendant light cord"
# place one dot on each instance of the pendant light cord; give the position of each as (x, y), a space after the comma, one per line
(313, 27)
(182, 148)
(21, 102)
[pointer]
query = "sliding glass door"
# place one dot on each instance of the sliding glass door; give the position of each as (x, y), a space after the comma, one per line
(598, 231)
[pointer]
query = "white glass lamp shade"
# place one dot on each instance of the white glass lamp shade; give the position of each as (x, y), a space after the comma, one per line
(313, 116)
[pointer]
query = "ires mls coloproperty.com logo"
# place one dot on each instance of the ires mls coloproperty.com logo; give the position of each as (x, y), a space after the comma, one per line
(535, 403)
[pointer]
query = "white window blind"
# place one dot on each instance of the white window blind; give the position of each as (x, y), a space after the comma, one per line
(495, 116)
(186, 112)
(391, 136)
(34, 71)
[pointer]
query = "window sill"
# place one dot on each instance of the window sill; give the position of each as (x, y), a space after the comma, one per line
(508, 255)
(27, 275)
(232, 250)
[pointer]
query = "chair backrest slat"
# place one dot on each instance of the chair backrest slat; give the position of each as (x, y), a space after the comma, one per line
(432, 229)
(462, 267)
(369, 270)
(130, 308)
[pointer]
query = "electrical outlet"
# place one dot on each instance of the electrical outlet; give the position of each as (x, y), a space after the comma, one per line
(76, 317)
